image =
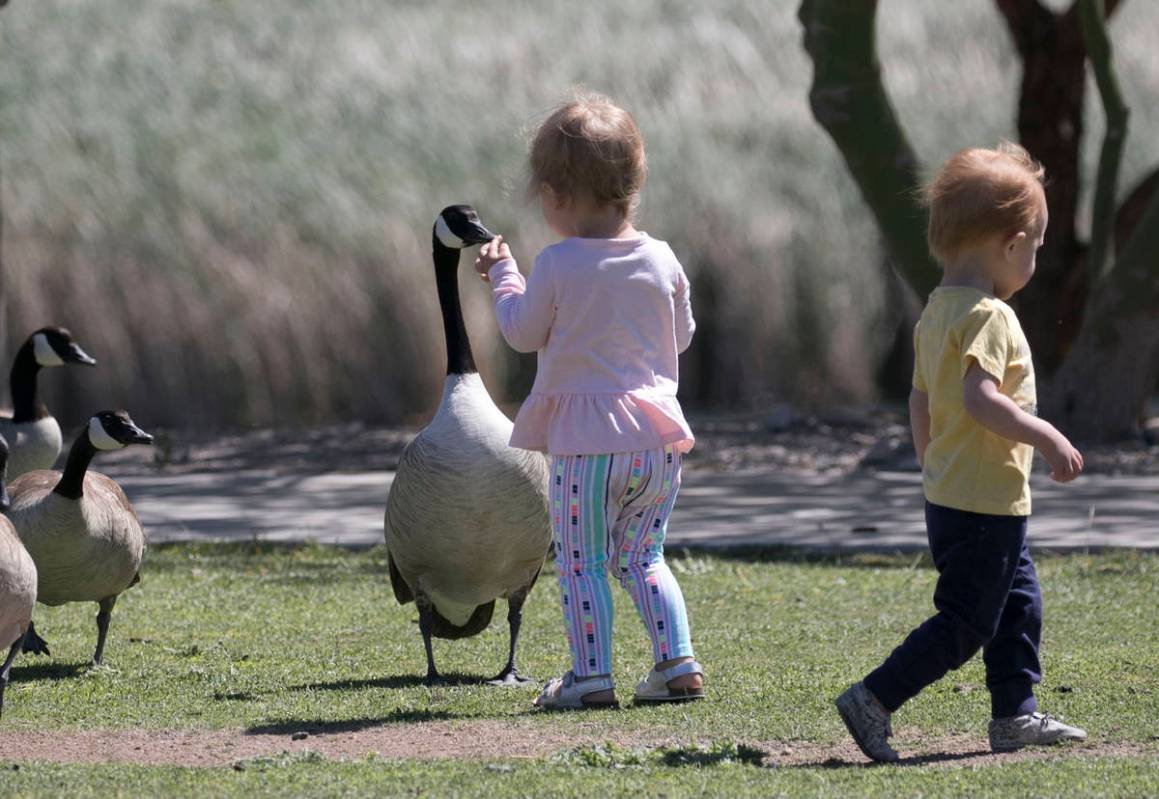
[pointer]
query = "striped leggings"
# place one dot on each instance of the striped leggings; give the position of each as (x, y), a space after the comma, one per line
(615, 508)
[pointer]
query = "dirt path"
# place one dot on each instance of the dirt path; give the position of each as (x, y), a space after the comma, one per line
(861, 510)
(481, 740)
(846, 480)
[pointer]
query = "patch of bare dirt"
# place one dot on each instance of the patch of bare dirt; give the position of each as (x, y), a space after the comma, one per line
(919, 750)
(475, 740)
(486, 739)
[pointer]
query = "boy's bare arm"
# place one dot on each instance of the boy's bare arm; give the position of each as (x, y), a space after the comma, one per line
(919, 422)
(1000, 415)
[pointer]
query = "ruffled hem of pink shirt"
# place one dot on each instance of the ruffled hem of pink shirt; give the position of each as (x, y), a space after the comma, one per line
(597, 424)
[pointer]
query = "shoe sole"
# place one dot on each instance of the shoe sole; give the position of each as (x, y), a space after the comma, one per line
(675, 695)
(1000, 750)
(1016, 747)
(585, 706)
(857, 738)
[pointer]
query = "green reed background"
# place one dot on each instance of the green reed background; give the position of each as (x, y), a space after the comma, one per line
(230, 202)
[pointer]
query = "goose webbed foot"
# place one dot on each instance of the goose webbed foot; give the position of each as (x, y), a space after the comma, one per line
(509, 677)
(34, 644)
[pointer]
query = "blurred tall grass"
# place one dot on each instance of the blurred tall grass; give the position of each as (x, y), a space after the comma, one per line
(230, 202)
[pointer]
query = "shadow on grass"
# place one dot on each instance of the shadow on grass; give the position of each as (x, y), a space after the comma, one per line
(318, 727)
(309, 556)
(48, 671)
(311, 562)
(393, 681)
(915, 760)
(761, 553)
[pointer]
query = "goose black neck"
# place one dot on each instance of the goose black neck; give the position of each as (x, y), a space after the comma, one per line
(26, 404)
(72, 482)
(460, 361)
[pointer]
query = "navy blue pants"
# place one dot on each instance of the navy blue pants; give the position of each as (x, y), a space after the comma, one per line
(987, 598)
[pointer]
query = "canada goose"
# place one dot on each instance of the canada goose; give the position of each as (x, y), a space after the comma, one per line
(17, 584)
(33, 435)
(466, 520)
(79, 527)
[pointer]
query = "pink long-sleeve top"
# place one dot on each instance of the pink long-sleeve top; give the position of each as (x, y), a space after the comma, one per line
(608, 318)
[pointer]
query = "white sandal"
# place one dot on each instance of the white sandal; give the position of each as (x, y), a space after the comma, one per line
(566, 693)
(654, 687)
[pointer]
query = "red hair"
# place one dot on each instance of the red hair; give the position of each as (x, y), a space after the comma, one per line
(979, 193)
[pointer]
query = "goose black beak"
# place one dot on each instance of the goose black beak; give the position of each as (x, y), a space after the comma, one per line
(79, 356)
(478, 234)
(139, 436)
(132, 434)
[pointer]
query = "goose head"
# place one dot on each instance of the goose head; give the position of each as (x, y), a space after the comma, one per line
(110, 430)
(458, 227)
(55, 346)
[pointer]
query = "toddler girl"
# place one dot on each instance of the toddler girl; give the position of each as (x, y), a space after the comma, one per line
(607, 309)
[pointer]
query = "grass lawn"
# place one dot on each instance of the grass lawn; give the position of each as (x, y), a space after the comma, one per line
(271, 641)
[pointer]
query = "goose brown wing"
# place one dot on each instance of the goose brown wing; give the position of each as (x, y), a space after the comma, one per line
(402, 591)
(98, 484)
(35, 483)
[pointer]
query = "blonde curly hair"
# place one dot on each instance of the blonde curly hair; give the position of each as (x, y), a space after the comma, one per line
(591, 147)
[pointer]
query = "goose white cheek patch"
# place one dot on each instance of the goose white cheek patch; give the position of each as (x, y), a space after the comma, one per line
(45, 354)
(448, 238)
(100, 438)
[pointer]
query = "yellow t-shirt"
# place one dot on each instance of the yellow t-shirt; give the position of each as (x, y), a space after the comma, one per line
(966, 466)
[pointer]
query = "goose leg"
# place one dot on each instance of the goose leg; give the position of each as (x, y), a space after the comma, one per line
(33, 643)
(510, 674)
(103, 616)
(426, 624)
(12, 653)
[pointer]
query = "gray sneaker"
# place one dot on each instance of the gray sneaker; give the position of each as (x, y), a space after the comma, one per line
(1033, 729)
(868, 722)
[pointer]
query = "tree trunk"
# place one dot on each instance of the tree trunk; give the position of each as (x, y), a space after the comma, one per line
(1098, 43)
(895, 373)
(849, 101)
(1050, 126)
(1131, 211)
(1100, 392)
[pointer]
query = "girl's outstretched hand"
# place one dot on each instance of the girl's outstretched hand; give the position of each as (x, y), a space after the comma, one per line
(491, 253)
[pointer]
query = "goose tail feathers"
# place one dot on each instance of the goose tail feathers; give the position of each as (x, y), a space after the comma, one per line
(442, 628)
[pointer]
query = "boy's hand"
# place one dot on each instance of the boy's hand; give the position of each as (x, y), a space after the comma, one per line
(1066, 462)
(491, 253)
